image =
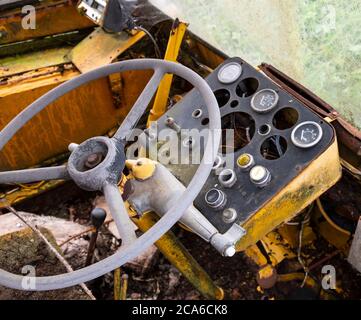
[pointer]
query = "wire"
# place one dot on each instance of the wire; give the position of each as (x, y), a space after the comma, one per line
(307, 217)
(299, 249)
(276, 142)
(156, 47)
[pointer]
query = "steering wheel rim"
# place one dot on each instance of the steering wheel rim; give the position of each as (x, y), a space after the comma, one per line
(133, 249)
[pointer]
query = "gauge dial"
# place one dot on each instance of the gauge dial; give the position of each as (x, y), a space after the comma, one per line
(306, 134)
(229, 73)
(264, 101)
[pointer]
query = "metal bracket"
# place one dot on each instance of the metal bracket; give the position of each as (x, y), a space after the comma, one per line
(101, 48)
(173, 47)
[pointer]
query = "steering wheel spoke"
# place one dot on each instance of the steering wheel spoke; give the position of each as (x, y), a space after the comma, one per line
(33, 175)
(140, 105)
(105, 175)
(119, 213)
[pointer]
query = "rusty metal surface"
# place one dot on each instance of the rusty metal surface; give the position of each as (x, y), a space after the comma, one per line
(36, 78)
(18, 64)
(10, 4)
(317, 178)
(68, 39)
(131, 84)
(98, 108)
(52, 17)
(101, 48)
(72, 118)
(23, 192)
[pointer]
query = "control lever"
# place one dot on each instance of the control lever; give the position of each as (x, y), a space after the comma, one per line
(98, 216)
(160, 190)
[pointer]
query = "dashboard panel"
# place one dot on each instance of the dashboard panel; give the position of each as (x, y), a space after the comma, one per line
(275, 137)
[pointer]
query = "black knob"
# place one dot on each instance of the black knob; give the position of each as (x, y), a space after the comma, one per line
(98, 216)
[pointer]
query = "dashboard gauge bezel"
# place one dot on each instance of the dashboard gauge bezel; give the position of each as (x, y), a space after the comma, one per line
(274, 105)
(234, 79)
(306, 145)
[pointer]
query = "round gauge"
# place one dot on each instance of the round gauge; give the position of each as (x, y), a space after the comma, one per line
(230, 72)
(264, 101)
(306, 134)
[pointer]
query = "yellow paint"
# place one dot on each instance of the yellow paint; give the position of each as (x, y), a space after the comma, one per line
(130, 85)
(338, 239)
(101, 48)
(117, 284)
(178, 255)
(52, 17)
(124, 287)
(30, 81)
(120, 285)
(173, 47)
(314, 180)
(276, 248)
(266, 272)
(142, 168)
(72, 118)
(291, 234)
(18, 64)
(85, 112)
(211, 58)
(256, 255)
(310, 282)
(25, 192)
(298, 277)
(328, 219)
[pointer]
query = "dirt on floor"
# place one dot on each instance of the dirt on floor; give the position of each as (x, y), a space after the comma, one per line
(160, 280)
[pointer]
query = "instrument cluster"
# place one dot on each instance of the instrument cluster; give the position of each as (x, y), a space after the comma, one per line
(273, 138)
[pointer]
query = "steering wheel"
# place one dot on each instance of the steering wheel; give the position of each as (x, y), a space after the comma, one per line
(106, 175)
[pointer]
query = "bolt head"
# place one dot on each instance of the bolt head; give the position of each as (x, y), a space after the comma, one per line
(93, 160)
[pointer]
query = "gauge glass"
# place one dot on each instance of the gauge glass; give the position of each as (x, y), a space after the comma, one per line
(258, 173)
(306, 134)
(229, 73)
(264, 101)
